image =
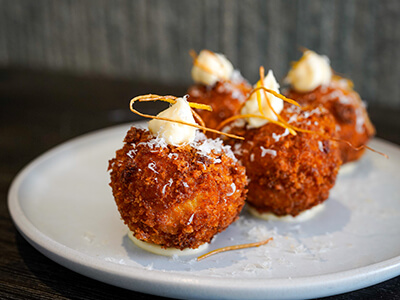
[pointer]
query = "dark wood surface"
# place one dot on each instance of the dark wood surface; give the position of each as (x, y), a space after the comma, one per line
(40, 110)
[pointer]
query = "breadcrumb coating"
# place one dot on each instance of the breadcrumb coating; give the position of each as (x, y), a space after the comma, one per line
(175, 196)
(225, 98)
(289, 174)
(349, 112)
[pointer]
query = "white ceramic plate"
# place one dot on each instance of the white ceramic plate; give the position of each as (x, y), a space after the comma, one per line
(63, 206)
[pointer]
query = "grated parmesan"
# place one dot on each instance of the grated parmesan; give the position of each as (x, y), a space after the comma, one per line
(152, 167)
(307, 114)
(359, 121)
(168, 184)
(267, 151)
(277, 137)
(321, 146)
(233, 186)
(205, 147)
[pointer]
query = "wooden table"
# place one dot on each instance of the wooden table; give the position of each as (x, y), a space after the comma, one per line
(40, 110)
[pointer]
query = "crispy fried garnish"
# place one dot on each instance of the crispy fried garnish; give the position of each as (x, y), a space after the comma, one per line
(236, 247)
(171, 99)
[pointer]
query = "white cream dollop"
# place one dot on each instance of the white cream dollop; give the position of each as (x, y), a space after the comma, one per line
(174, 133)
(311, 71)
(211, 67)
(251, 105)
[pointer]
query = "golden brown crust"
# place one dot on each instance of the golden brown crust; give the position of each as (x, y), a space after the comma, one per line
(289, 174)
(349, 113)
(174, 196)
(225, 98)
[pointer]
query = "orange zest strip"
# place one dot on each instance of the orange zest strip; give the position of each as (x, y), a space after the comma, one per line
(278, 116)
(281, 122)
(200, 106)
(291, 101)
(152, 97)
(259, 103)
(361, 147)
(294, 128)
(161, 98)
(198, 118)
(237, 247)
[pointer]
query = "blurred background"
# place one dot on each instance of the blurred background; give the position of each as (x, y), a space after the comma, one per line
(149, 40)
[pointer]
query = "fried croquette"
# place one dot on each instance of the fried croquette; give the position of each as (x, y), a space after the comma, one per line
(176, 196)
(288, 173)
(353, 123)
(225, 97)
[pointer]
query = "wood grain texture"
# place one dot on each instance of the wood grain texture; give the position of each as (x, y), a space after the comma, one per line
(150, 40)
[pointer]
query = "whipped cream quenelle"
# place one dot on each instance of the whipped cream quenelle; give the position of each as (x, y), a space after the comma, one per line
(251, 105)
(174, 133)
(211, 67)
(311, 71)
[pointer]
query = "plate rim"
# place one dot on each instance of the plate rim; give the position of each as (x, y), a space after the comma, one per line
(200, 286)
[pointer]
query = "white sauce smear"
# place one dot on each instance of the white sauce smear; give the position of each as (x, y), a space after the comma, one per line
(156, 249)
(303, 216)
